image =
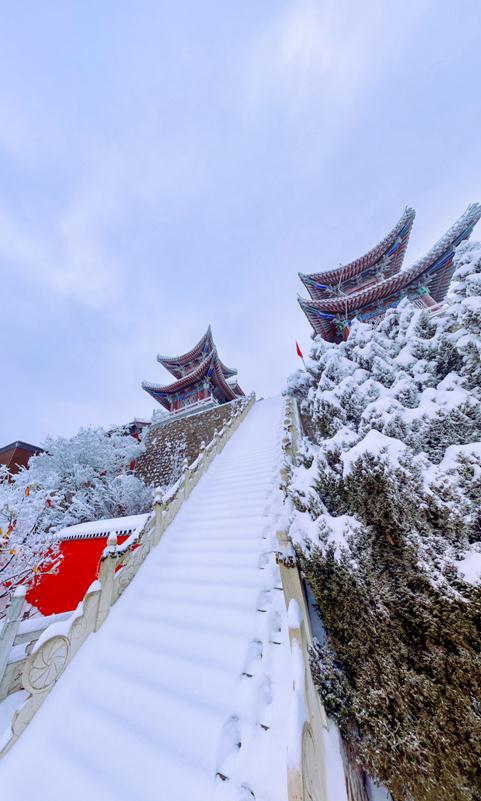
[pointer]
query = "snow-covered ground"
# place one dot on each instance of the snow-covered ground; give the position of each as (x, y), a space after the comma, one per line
(182, 693)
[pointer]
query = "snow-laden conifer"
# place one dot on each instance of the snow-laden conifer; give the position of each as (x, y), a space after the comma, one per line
(386, 501)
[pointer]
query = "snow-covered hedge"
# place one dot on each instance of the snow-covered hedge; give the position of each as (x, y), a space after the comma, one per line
(388, 527)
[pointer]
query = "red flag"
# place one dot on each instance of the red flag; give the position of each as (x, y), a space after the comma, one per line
(299, 351)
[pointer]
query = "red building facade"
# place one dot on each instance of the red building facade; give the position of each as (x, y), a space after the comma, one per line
(17, 454)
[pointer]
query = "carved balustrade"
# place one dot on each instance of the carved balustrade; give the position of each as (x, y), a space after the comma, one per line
(306, 774)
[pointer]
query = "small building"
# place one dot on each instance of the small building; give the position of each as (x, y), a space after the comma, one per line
(80, 548)
(367, 287)
(17, 455)
(137, 427)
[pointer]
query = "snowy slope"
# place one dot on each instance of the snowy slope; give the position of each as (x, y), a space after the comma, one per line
(181, 694)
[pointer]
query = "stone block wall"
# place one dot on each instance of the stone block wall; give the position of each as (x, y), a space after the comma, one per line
(168, 444)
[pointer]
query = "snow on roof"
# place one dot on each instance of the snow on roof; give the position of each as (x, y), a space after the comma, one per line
(24, 446)
(102, 528)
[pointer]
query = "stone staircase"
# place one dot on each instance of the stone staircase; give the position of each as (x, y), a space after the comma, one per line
(181, 693)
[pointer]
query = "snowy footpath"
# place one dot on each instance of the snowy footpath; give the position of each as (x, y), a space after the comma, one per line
(182, 694)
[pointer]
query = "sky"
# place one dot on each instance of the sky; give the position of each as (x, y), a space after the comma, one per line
(166, 165)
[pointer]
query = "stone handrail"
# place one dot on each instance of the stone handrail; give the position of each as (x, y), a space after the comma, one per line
(306, 774)
(17, 637)
(59, 642)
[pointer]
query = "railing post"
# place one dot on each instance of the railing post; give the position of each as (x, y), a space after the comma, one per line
(159, 508)
(201, 465)
(9, 632)
(298, 706)
(186, 473)
(106, 578)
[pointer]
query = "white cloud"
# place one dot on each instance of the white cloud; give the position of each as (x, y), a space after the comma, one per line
(328, 51)
(69, 260)
(70, 250)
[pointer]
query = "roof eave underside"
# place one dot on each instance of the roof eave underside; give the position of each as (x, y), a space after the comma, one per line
(353, 268)
(196, 375)
(322, 326)
(229, 392)
(438, 259)
(205, 344)
(175, 361)
(212, 361)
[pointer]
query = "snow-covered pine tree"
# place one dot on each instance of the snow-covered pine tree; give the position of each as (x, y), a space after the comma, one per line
(386, 523)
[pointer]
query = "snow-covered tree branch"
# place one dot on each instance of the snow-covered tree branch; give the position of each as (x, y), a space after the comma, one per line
(85, 477)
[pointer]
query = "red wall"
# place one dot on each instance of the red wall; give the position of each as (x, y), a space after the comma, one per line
(62, 591)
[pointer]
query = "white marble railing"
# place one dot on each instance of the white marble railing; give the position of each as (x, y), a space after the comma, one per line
(58, 641)
(17, 638)
(306, 765)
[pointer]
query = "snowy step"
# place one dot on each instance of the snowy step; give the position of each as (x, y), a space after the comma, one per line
(186, 614)
(238, 546)
(171, 681)
(217, 559)
(202, 647)
(236, 597)
(232, 496)
(154, 754)
(213, 535)
(185, 571)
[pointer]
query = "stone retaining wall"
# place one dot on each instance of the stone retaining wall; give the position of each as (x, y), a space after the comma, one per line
(169, 443)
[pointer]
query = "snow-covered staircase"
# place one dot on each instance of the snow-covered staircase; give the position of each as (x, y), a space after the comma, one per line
(181, 693)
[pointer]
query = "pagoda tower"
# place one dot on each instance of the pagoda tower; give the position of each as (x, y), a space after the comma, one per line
(201, 379)
(366, 288)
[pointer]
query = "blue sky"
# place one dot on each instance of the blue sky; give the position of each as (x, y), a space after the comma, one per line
(166, 165)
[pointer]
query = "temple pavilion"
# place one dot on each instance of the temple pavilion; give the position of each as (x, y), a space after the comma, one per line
(201, 379)
(367, 287)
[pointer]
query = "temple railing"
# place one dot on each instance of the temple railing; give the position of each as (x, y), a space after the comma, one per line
(192, 408)
(306, 759)
(56, 639)
(17, 638)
